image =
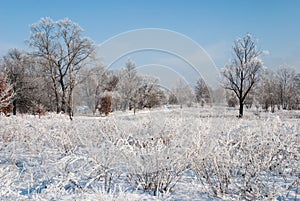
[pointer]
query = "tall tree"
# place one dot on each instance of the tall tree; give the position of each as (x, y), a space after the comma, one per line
(243, 72)
(63, 51)
(129, 81)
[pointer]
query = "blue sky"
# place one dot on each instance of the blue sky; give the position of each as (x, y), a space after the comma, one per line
(214, 24)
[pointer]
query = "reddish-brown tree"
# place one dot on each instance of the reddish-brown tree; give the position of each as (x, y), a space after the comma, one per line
(105, 105)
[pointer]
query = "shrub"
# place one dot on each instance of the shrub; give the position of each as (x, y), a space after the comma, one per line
(105, 105)
(252, 163)
(39, 110)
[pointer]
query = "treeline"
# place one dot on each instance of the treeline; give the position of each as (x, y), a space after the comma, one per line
(60, 74)
(125, 89)
(275, 90)
(95, 88)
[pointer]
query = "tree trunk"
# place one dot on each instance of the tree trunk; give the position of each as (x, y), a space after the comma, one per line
(70, 103)
(55, 91)
(241, 110)
(15, 107)
(63, 102)
(63, 98)
(57, 102)
(70, 95)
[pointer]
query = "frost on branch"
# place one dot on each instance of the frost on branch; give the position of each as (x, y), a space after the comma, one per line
(148, 157)
(258, 162)
(6, 95)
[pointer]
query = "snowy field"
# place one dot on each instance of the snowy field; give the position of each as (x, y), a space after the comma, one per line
(167, 154)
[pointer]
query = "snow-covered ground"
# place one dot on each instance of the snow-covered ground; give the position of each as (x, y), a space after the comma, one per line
(162, 154)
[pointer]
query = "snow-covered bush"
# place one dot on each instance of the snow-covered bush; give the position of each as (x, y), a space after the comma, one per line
(39, 110)
(155, 159)
(252, 162)
(174, 154)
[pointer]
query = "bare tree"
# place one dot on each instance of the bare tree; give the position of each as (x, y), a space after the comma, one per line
(268, 91)
(129, 82)
(147, 94)
(202, 92)
(13, 67)
(23, 74)
(63, 51)
(286, 78)
(184, 94)
(6, 95)
(243, 72)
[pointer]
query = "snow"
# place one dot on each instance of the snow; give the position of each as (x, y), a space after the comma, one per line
(161, 154)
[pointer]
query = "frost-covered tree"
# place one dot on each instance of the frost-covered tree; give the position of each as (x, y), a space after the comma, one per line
(6, 94)
(286, 80)
(243, 72)
(127, 89)
(218, 95)
(93, 83)
(268, 91)
(184, 94)
(202, 92)
(24, 74)
(84, 93)
(62, 51)
(13, 66)
(129, 81)
(107, 83)
(147, 94)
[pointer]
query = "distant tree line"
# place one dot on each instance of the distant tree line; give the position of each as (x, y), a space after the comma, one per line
(106, 90)
(60, 74)
(248, 83)
(96, 88)
(276, 90)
